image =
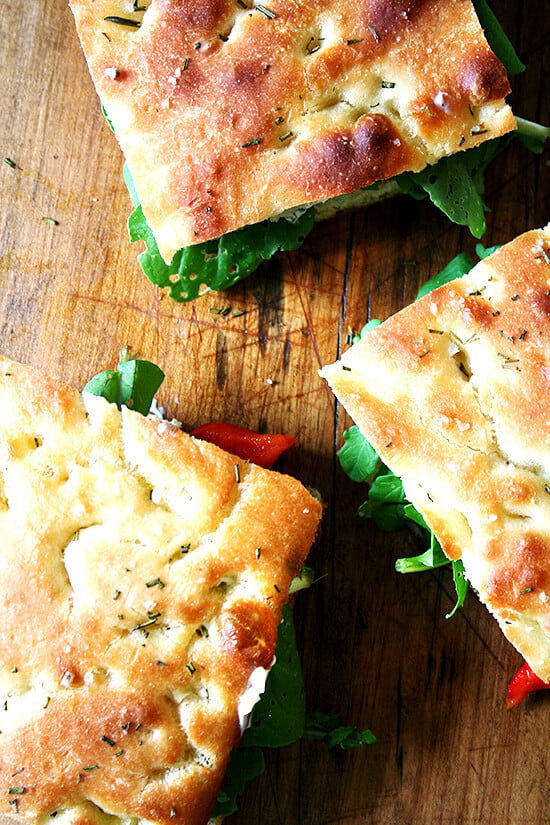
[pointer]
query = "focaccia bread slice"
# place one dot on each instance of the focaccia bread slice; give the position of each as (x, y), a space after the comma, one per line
(454, 394)
(143, 575)
(230, 112)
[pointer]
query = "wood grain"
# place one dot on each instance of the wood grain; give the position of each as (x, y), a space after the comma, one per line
(376, 646)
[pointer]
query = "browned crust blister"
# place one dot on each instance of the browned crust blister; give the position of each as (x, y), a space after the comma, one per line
(233, 112)
(454, 394)
(142, 581)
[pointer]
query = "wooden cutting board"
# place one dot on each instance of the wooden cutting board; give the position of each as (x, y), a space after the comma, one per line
(376, 646)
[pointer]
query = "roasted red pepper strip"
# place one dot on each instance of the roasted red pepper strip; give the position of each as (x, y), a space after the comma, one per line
(252, 446)
(525, 681)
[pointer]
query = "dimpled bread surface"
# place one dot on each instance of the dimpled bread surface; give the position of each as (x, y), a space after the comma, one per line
(233, 112)
(143, 575)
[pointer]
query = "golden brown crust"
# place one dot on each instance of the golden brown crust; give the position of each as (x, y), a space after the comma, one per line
(230, 113)
(453, 392)
(135, 604)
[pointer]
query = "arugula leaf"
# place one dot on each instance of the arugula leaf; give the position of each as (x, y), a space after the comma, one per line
(461, 584)
(432, 557)
(244, 766)
(385, 503)
(497, 39)
(302, 581)
(278, 718)
(220, 263)
(358, 458)
(133, 384)
(372, 324)
(484, 252)
(532, 135)
(329, 728)
(459, 266)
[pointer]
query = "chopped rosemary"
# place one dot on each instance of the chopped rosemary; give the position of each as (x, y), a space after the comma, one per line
(51, 221)
(387, 84)
(119, 753)
(108, 741)
(190, 667)
(436, 331)
(242, 4)
(278, 589)
(148, 622)
(527, 590)
(122, 21)
(312, 49)
(523, 334)
(286, 136)
(237, 474)
(266, 12)
(17, 790)
(126, 727)
(161, 663)
(543, 252)
(9, 162)
(351, 41)
(185, 548)
(254, 142)
(258, 552)
(116, 595)
(514, 297)
(155, 583)
(172, 813)
(186, 63)
(347, 369)
(547, 489)
(90, 768)
(221, 310)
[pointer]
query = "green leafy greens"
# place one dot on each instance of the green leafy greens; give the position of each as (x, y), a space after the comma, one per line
(219, 263)
(133, 384)
(386, 501)
(279, 718)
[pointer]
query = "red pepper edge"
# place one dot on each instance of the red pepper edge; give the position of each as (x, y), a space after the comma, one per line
(259, 448)
(524, 682)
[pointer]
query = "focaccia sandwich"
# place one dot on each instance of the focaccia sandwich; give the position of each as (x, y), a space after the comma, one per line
(144, 575)
(453, 394)
(234, 114)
